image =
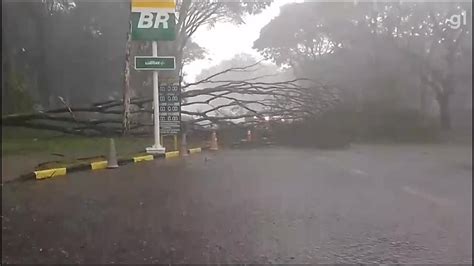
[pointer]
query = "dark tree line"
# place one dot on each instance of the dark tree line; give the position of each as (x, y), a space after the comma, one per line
(75, 52)
(390, 53)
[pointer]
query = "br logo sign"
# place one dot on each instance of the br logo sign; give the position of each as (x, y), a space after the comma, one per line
(153, 20)
(149, 19)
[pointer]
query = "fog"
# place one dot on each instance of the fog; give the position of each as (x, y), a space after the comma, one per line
(273, 132)
(380, 57)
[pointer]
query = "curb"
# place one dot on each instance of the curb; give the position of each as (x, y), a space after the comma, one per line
(48, 173)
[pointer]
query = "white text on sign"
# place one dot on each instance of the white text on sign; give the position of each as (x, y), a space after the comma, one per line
(147, 17)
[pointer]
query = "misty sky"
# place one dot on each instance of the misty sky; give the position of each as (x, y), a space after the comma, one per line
(226, 40)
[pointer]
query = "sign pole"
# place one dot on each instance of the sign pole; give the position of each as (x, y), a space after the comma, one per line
(156, 148)
(156, 103)
(154, 20)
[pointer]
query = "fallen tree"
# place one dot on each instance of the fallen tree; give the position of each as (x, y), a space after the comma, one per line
(291, 99)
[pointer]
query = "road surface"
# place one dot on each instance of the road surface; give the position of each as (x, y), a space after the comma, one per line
(368, 204)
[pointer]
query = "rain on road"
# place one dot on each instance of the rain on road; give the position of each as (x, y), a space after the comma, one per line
(368, 204)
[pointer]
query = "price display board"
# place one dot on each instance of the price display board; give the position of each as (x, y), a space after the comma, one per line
(170, 108)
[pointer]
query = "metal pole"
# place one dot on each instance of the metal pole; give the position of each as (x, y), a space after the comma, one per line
(156, 103)
(157, 148)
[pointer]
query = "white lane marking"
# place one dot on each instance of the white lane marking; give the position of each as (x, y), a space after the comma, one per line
(427, 196)
(334, 163)
(358, 172)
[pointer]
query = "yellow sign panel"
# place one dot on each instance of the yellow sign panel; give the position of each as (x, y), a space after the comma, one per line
(154, 6)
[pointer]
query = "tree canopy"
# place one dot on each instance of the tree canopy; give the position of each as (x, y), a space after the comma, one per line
(76, 49)
(374, 50)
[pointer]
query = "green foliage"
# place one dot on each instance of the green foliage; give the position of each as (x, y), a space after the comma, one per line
(69, 145)
(33, 142)
(193, 51)
(381, 123)
(77, 48)
(339, 127)
(334, 129)
(305, 30)
(377, 52)
(231, 11)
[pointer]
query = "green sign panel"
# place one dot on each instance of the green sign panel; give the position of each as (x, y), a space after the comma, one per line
(153, 26)
(155, 63)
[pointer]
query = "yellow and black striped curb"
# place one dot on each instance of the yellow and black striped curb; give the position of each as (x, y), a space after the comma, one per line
(48, 173)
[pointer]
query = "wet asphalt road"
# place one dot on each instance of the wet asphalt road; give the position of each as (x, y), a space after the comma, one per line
(368, 204)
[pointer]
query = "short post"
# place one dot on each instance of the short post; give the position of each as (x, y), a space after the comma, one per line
(112, 158)
(175, 142)
(184, 146)
(214, 146)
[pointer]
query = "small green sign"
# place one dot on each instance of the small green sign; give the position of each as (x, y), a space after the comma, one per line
(155, 63)
(153, 26)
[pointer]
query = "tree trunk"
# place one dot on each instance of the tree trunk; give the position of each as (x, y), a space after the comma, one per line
(423, 95)
(444, 115)
(42, 64)
(126, 85)
(7, 61)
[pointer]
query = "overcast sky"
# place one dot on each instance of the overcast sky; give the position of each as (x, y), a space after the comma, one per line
(226, 40)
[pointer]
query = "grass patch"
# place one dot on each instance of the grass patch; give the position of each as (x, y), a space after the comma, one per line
(20, 141)
(70, 162)
(71, 146)
(67, 150)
